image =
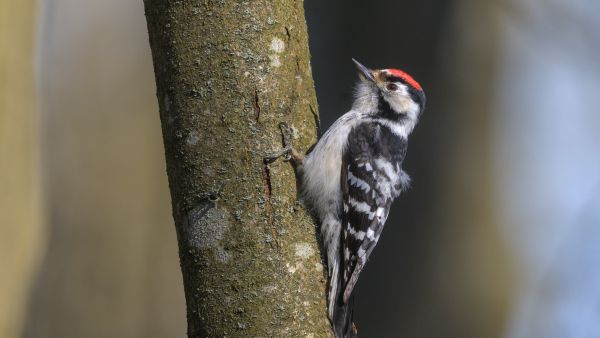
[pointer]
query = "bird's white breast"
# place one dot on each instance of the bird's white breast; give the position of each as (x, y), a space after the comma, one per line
(322, 167)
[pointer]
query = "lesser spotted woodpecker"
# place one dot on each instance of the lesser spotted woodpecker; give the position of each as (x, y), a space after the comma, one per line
(353, 174)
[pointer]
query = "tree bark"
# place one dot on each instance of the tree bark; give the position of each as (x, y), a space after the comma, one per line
(227, 72)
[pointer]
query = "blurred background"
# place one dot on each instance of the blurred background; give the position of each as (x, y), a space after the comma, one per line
(498, 237)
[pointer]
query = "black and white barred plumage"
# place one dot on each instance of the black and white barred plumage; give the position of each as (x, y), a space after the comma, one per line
(354, 173)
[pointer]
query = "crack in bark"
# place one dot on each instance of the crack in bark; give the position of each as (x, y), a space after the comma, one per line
(266, 174)
(287, 32)
(256, 106)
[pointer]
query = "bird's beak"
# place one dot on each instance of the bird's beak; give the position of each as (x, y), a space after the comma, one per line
(364, 71)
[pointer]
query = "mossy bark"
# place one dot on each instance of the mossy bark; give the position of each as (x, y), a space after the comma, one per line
(227, 73)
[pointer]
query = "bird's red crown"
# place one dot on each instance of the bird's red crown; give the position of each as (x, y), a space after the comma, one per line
(404, 76)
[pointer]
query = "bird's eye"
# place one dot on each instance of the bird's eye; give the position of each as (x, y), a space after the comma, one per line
(392, 87)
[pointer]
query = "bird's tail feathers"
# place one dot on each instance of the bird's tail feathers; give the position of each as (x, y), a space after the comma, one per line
(340, 312)
(343, 326)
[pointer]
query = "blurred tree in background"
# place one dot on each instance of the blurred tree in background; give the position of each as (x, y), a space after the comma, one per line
(21, 232)
(111, 266)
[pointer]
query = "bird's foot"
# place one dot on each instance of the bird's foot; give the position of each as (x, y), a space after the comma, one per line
(272, 157)
(288, 152)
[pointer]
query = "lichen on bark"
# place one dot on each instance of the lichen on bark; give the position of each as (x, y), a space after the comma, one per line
(227, 73)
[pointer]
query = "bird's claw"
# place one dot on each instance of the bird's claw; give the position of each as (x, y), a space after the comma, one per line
(272, 157)
(288, 152)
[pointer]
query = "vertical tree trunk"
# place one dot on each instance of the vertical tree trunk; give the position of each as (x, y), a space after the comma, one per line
(21, 235)
(227, 73)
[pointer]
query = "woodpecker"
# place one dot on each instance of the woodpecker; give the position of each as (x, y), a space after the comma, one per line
(353, 174)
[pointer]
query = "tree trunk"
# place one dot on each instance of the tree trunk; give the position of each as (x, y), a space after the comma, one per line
(227, 73)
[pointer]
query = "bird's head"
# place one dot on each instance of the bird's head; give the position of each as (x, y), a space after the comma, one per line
(390, 93)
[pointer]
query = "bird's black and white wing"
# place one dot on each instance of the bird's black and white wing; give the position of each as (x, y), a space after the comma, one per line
(371, 178)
